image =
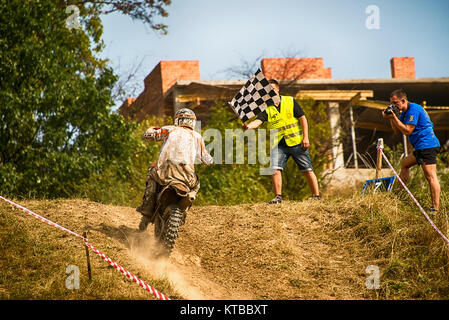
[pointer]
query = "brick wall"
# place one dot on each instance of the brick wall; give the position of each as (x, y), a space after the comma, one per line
(172, 71)
(403, 67)
(157, 83)
(124, 108)
(295, 68)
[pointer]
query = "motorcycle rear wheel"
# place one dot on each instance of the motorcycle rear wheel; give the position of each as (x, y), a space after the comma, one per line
(166, 227)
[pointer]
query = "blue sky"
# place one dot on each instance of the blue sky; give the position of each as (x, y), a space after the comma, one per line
(221, 34)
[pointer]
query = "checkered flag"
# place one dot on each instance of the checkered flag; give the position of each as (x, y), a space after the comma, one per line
(255, 96)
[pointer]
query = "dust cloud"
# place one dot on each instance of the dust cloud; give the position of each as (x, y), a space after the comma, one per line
(182, 271)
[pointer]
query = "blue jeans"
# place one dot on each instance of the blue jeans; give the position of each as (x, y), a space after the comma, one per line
(280, 155)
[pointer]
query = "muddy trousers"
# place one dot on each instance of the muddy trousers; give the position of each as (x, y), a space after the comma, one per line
(149, 199)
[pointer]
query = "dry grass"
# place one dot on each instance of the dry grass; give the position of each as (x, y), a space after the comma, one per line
(313, 250)
(35, 255)
(296, 250)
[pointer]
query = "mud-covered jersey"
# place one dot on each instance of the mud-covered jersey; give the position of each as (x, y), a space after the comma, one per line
(181, 149)
(181, 145)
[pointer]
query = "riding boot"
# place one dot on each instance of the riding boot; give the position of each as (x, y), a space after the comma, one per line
(148, 203)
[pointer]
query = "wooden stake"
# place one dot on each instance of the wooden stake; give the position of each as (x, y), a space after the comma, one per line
(89, 272)
(380, 144)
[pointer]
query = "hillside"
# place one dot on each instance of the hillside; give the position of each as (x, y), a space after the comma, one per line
(297, 250)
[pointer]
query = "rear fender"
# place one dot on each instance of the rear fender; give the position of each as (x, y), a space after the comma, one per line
(186, 196)
(176, 193)
(166, 197)
(185, 203)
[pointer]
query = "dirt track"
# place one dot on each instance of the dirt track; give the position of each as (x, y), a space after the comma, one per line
(291, 251)
(297, 250)
(183, 269)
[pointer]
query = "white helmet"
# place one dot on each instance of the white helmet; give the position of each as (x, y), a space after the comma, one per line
(185, 117)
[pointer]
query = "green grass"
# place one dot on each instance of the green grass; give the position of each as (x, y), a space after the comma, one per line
(386, 229)
(413, 257)
(35, 257)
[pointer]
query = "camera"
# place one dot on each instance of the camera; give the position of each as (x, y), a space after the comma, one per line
(391, 109)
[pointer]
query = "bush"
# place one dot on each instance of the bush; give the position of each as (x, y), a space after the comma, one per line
(115, 185)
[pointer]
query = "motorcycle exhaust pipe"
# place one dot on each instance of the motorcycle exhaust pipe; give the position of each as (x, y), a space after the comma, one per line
(191, 197)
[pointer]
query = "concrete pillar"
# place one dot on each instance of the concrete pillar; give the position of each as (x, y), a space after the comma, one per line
(176, 103)
(337, 145)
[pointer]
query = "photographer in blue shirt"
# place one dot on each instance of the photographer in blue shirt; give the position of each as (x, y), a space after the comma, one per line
(415, 123)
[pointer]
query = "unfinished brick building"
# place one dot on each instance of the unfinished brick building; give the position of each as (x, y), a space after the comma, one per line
(164, 79)
(353, 104)
(151, 101)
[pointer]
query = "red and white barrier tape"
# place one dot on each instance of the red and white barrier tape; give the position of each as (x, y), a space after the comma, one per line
(122, 270)
(379, 149)
(128, 274)
(42, 218)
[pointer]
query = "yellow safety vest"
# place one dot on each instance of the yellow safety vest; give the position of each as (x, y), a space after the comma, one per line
(285, 122)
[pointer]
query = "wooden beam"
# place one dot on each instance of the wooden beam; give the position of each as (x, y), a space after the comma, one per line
(431, 112)
(425, 106)
(437, 108)
(334, 95)
(194, 97)
(375, 104)
(355, 99)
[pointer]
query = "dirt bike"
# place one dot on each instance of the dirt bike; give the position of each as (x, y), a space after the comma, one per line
(172, 205)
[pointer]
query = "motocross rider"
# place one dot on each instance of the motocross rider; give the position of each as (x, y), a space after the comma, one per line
(181, 147)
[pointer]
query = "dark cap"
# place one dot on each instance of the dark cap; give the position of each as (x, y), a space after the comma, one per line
(274, 81)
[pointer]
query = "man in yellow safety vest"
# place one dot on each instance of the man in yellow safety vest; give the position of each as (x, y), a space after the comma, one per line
(287, 120)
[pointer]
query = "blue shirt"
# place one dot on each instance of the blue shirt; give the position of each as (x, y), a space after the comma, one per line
(422, 136)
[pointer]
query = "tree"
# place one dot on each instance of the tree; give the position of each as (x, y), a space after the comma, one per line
(246, 69)
(143, 10)
(291, 62)
(56, 126)
(129, 83)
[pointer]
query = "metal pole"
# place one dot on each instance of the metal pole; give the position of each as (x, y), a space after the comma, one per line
(404, 142)
(354, 145)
